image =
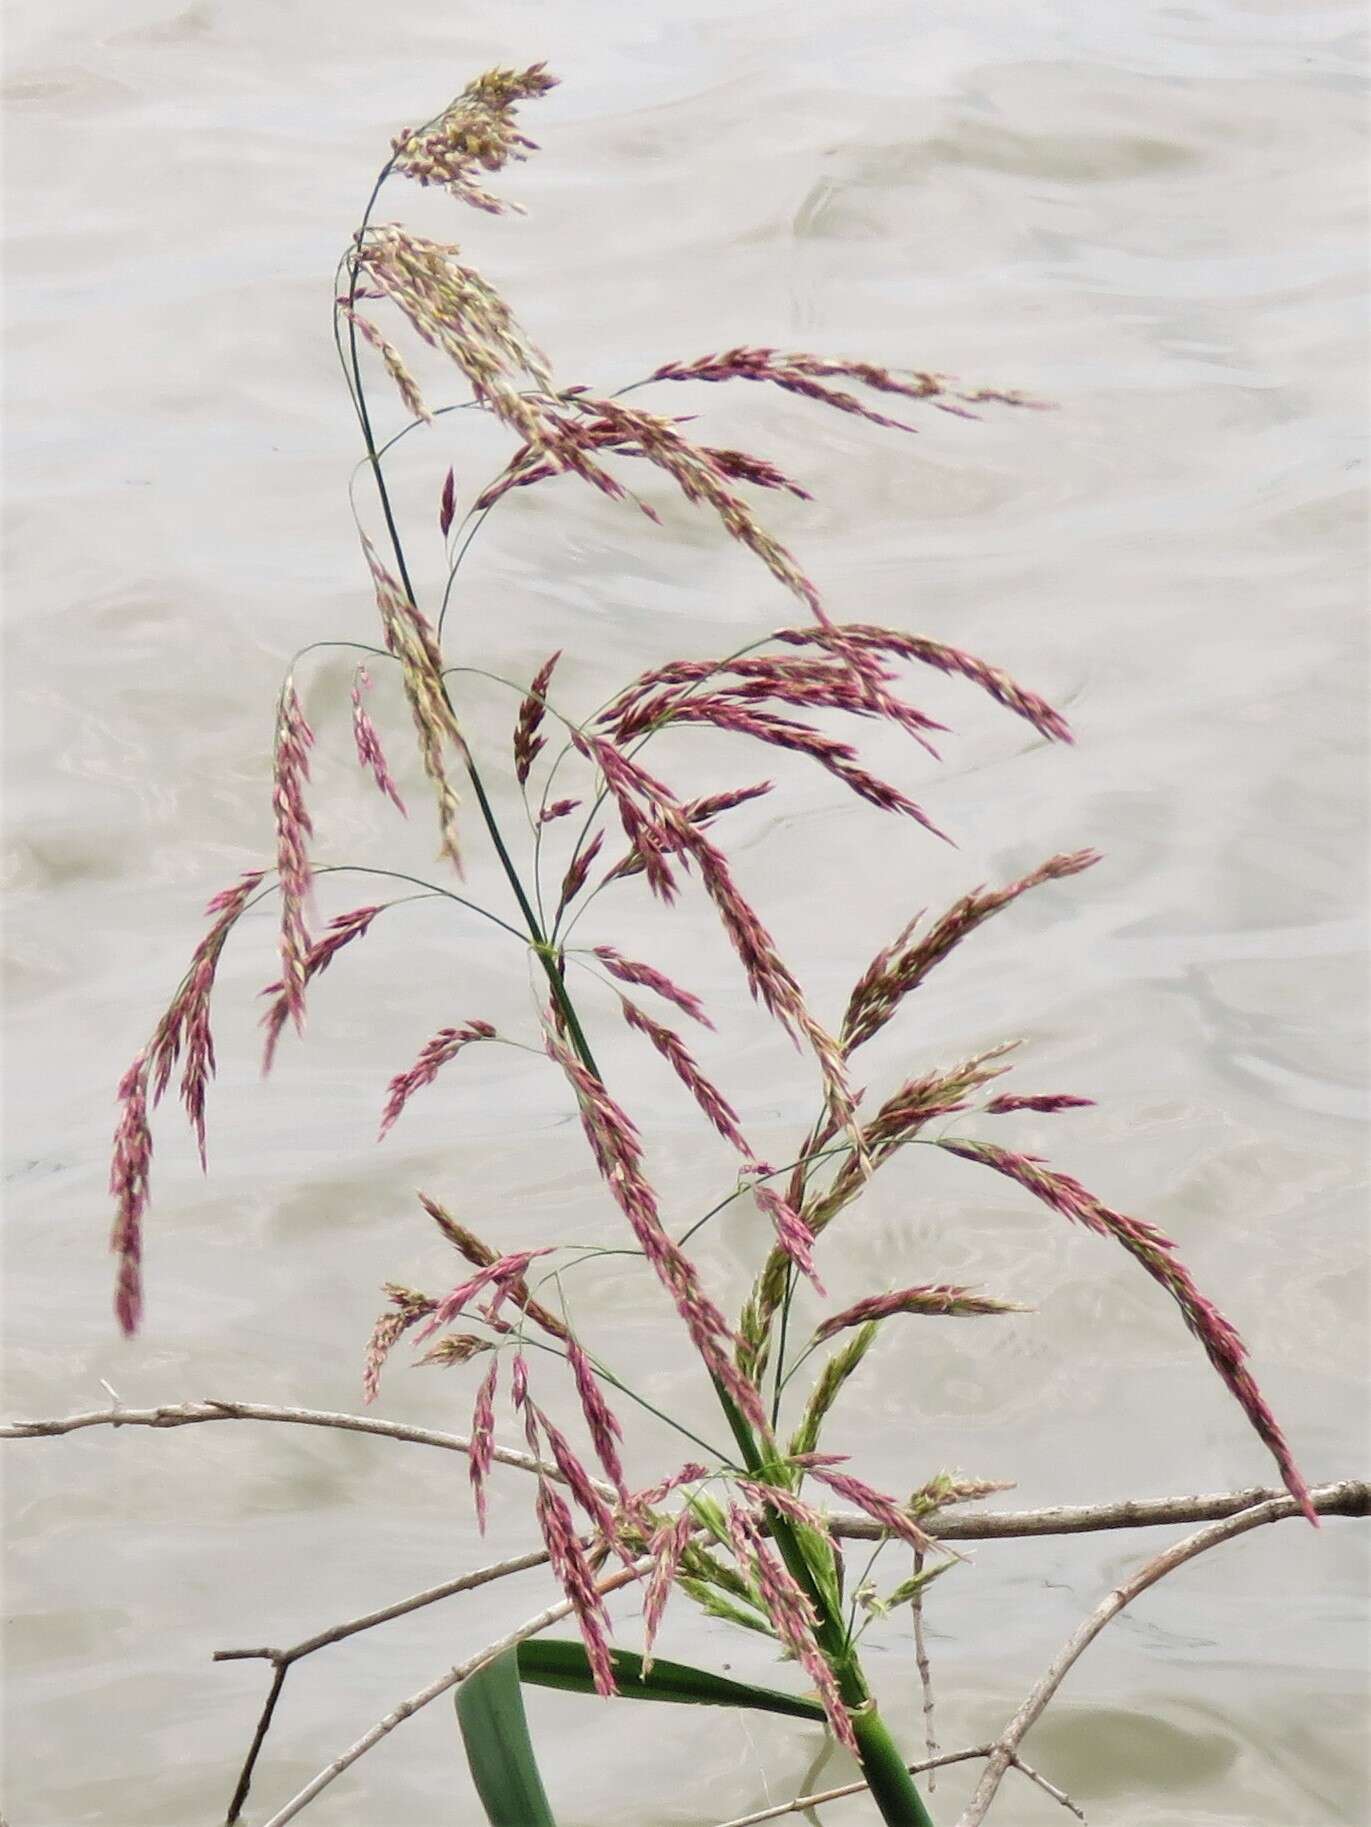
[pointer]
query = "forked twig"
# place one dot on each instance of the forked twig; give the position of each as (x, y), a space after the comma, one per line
(187, 1414)
(448, 1679)
(1005, 1749)
(282, 1659)
(801, 1802)
(916, 1612)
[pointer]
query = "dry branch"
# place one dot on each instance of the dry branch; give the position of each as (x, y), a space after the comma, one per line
(448, 1679)
(1348, 1497)
(801, 1802)
(1005, 1750)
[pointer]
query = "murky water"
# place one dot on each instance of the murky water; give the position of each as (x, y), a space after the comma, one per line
(1156, 217)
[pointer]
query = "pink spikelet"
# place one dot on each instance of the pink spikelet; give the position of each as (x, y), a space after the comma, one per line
(407, 1308)
(792, 1615)
(572, 1569)
(342, 930)
(528, 744)
(618, 1155)
(580, 1484)
(447, 505)
(186, 1022)
(1155, 1252)
(600, 1419)
(128, 1183)
(503, 1277)
(935, 1298)
(446, 1044)
(294, 738)
(1002, 1106)
(627, 970)
(368, 741)
(483, 1440)
(558, 809)
(672, 1049)
(667, 1546)
(881, 1508)
(578, 871)
(792, 1233)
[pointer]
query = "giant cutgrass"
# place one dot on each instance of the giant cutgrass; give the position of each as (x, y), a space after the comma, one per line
(746, 1532)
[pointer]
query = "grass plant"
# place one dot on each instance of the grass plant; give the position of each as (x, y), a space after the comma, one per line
(745, 1531)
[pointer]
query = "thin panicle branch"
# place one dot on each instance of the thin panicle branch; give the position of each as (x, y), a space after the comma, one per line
(1156, 1253)
(290, 771)
(446, 1044)
(898, 970)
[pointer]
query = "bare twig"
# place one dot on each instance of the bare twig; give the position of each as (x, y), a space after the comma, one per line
(802, 1802)
(449, 1679)
(1006, 1746)
(187, 1414)
(1349, 1497)
(916, 1612)
(281, 1659)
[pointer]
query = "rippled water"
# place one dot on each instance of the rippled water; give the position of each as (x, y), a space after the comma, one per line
(1154, 216)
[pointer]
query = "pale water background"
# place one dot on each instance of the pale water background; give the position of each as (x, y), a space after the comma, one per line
(1155, 216)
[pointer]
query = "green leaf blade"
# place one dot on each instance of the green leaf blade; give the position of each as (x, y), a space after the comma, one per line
(490, 1715)
(561, 1663)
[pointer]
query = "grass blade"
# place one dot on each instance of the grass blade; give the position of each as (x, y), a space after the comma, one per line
(562, 1663)
(490, 1714)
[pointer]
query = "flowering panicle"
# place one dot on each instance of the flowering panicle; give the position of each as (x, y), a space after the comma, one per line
(342, 930)
(930, 1297)
(902, 966)
(699, 812)
(883, 1509)
(701, 480)
(1155, 1251)
(677, 1055)
(801, 374)
(290, 771)
(792, 1615)
(411, 639)
(628, 970)
(858, 639)
(446, 1044)
(368, 741)
(480, 1255)
(482, 1452)
(407, 1307)
(601, 1421)
(667, 1546)
(793, 1235)
(784, 1502)
(1054, 1101)
(768, 978)
(476, 132)
(572, 1569)
(504, 1278)
(406, 385)
(128, 1183)
(578, 871)
(526, 467)
(527, 742)
(455, 1348)
(454, 310)
(618, 1155)
(186, 1022)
